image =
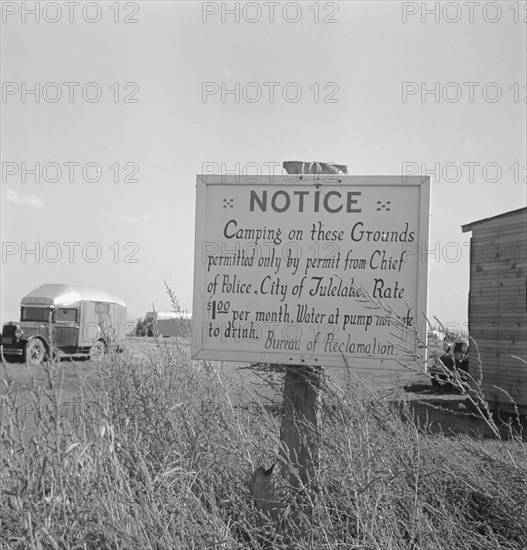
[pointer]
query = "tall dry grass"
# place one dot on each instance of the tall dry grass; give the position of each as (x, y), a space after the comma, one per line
(156, 454)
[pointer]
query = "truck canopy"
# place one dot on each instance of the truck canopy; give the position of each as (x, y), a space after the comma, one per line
(58, 295)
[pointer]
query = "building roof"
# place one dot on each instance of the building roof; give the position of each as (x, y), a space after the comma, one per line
(468, 226)
(53, 294)
(164, 315)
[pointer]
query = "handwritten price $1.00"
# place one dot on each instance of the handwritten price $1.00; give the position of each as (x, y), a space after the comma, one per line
(218, 307)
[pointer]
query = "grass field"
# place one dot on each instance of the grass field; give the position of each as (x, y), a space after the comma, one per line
(441, 409)
(151, 450)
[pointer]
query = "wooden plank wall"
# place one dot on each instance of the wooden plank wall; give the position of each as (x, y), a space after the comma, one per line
(498, 305)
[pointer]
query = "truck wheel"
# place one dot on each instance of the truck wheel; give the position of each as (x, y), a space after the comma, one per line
(34, 352)
(97, 351)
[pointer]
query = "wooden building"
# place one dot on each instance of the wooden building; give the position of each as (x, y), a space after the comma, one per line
(497, 310)
(167, 324)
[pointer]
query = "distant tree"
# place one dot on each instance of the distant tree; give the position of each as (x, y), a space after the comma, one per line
(139, 330)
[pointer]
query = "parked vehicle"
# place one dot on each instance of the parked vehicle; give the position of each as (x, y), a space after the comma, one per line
(59, 319)
(454, 358)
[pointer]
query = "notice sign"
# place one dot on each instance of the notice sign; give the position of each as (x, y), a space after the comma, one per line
(285, 268)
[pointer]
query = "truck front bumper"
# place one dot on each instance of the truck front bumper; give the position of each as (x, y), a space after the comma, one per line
(12, 351)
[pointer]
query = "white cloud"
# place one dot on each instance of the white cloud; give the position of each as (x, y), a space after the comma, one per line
(32, 201)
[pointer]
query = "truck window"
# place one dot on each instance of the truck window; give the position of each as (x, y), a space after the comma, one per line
(65, 315)
(39, 314)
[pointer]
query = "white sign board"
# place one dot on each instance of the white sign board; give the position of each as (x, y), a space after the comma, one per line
(285, 268)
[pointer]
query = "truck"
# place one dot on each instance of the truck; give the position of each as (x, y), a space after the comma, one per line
(455, 358)
(58, 320)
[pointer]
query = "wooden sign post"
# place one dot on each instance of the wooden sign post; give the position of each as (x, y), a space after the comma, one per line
(300, 429)
(285, 267)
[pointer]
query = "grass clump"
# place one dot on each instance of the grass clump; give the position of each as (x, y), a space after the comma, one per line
(159, 453)
(403, 487)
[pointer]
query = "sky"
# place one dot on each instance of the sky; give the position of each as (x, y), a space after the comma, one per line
(132, 100)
